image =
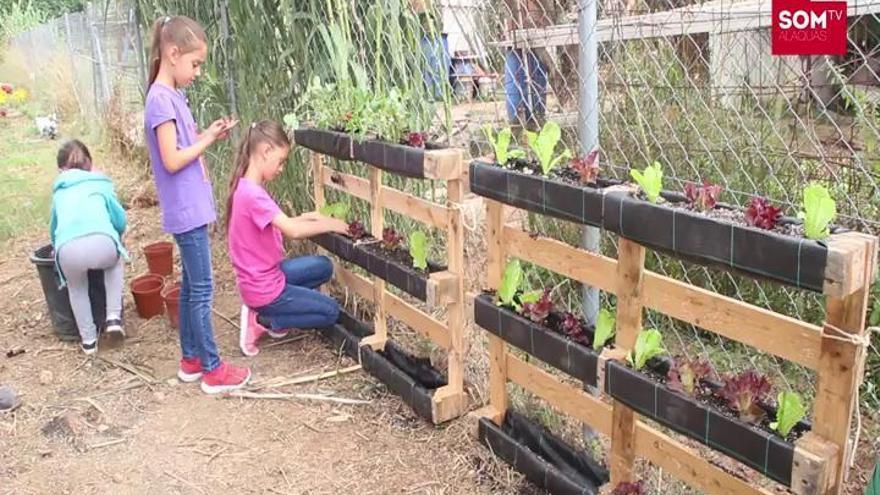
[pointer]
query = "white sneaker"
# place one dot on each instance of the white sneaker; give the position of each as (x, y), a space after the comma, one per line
(89, 348)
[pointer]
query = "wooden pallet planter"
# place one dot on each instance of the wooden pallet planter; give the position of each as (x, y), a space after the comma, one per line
(826, 267)
(399, 159)
(814, 464)
(442, 286)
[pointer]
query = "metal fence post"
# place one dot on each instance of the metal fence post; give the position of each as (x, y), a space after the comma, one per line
(588, 123)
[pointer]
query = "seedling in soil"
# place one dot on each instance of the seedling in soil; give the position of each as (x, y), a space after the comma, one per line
(501, 145)
(650, 181)
(629, 488)
(544, 143)
(587, 167)
(418, 249)
(819, 211)
(604, 329)
(539, 310)
(356, 230)
(703, 198)
(744, 394)
(686, 375)
(573, 328)
(649, 344)
(335, 210)
(417, 139)
(761, 214)
(789, 411)
(510, 285)
(391, 239)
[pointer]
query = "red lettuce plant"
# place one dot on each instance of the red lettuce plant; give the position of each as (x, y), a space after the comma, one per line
(417, 139)
(587, 167)
(391, 239)
(686, 375)
(540, 309)
(744, 393)
(573, 328)
(356, 230)
(704, 197)
(761, 214)
(630, 488)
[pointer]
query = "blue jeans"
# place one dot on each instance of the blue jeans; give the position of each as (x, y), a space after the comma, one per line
(531, 97)
(300, 305)
(196, 295)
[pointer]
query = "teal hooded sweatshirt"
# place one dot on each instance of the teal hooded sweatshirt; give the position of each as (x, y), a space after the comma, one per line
(84, 203)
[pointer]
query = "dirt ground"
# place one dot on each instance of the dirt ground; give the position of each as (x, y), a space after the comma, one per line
(122, 423)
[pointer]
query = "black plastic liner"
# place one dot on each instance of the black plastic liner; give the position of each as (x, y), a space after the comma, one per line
(395, 158)
(544, 459)
(411, 378)
(406, 278)
(562, 353)
(689, 235)
(759, 449)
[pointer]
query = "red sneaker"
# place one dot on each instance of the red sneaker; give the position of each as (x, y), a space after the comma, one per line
(225, 378)
(190, 370)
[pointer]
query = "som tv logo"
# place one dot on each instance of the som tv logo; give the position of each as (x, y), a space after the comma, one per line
(802, 27)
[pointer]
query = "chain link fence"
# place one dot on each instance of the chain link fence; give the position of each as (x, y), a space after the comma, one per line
(92, 61)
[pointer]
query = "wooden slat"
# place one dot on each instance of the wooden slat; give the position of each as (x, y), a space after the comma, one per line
(445, 164)
(455, 311)
(426, 212)
(658, 448)
(495, 250)
(845, 270)
(839, 369)
(443, 288)
(770, 332)
(589, 268)
(317, 164)
(570, 400)
(812, 465)
(623, 450)
(396, 307)
(377, 222)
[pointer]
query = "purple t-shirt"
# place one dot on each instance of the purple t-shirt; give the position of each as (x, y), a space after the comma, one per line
(186, 197)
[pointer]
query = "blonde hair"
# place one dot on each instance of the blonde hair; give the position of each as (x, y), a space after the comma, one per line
(178, 30)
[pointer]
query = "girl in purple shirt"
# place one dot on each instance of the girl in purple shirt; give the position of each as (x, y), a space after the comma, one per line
(179, 48)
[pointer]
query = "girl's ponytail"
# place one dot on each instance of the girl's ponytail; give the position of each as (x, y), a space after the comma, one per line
(156, 49)
(264, 131)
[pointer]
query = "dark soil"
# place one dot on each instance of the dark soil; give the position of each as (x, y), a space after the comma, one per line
(554, 323)
(735, 216)
(707, 397)
(565, 174)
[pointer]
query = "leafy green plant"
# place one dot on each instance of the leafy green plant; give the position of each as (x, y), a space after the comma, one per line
(510, 285)
(649, 344)
(650, 181)
(335, 210)
(604, 328)
(789, 410)
(418, 249)
(874, 317)
(501, 144)
(543, 144)
(819, 211)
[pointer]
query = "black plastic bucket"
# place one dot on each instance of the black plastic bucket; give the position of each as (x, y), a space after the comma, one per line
(58, 300)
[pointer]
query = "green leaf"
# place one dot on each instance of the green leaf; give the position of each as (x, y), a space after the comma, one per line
(789, 411)
(500, 144)
(531, 297)
(510, 283)
(544, 144)
(650, 181)
(290, 121)
(649, 344)
(335, 210)
(604, 328)
(874, 319)
(418, 249)
(819, 211)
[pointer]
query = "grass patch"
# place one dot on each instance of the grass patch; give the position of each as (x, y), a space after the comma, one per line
(26, 174)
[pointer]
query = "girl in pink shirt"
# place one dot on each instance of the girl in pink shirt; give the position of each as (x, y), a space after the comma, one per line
(278, 294)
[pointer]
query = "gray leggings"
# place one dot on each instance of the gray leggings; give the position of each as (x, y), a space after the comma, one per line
(76, 258)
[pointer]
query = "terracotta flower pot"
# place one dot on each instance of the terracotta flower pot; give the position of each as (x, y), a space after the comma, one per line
(171, 296)
(147, 292)
(160, 259)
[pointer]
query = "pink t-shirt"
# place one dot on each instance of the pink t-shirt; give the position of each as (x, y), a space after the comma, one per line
(255, 245)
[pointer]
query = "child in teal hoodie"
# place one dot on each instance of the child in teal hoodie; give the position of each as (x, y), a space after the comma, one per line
(87, 222)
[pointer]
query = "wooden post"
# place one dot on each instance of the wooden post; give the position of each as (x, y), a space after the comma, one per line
(839, 369)
(377, 223)
(317, 161)
(455, 314)
(630, 274)
(497, 349)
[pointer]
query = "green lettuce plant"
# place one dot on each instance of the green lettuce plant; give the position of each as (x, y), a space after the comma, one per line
(649, 344)
(543, 144)
(510, 285)
(604, 328)
(819, 210)
(418, 249)
(501, 144)
(335, 210)
(789, 411)
(650, 181)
